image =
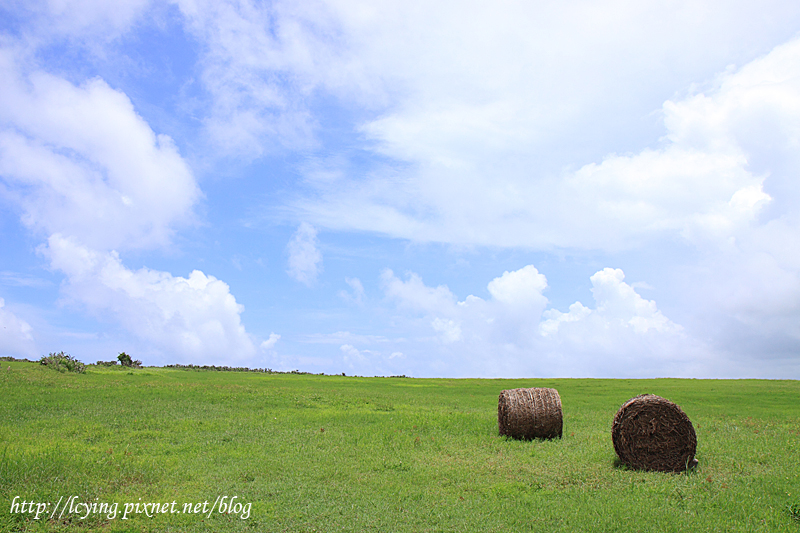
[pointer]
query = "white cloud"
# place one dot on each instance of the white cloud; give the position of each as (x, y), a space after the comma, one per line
(357, 359)
(358, 288)
(83, 20)
(721, 183)
(370, 354)
(188, 320)
(617, 307)
(508, 127)
(269, 344)
(258, 67)
(414, 294)
(699, 190)
(624, 335)
(746, 298)
(79, 161)
(346, 337)
(305, 259)
(357, 295)
(547, 127)
(519, 289)
(86, 170)
(453, 77)
(351, 355)
(450, 329)
(616, 300)
(554, 317)
(16, 279)
(511, 314)
(483, 172)
(16, 335)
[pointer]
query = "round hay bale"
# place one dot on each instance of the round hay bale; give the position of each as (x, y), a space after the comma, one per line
(652, 433)
(529, 413)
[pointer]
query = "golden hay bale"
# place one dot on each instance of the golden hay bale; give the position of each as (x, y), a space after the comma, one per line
(529, 413)
(652, 433)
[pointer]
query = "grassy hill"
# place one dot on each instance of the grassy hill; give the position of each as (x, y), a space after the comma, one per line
(334, 453)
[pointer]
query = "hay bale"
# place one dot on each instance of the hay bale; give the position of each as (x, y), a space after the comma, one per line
(529, 413)
(652, 433)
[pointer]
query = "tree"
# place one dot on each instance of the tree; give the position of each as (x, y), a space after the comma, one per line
(126, 360)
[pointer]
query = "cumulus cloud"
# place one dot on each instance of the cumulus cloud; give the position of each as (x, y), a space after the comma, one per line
(413, 293)
(554, 318)
(16, 335)
(450, 330)
(89, 174)
(86, 170)
(515, 307)
(79, 161)
(194, 319)
(269, 344)
(305, 259)
(512, 332)
(520, 288)
(617, 305)
(746, 286)
(619, 301)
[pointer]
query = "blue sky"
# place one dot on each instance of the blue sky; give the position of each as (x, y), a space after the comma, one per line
(575, 189)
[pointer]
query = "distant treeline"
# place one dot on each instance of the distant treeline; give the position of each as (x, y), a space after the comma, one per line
(208, 367)
(263, 370)
(235, 369)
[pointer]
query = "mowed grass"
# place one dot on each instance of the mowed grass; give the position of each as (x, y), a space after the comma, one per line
(333, 453)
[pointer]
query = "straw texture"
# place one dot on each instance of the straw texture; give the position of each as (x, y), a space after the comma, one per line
(529, 413)
(652, 433)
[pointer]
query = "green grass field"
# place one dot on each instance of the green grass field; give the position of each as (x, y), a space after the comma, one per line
(333, 453)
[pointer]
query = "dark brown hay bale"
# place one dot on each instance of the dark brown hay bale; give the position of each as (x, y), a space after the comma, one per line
(652, 433)
(529, 413)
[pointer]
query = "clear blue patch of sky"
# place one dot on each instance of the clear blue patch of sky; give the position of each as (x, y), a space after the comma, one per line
(27, 277)
(14, 17)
